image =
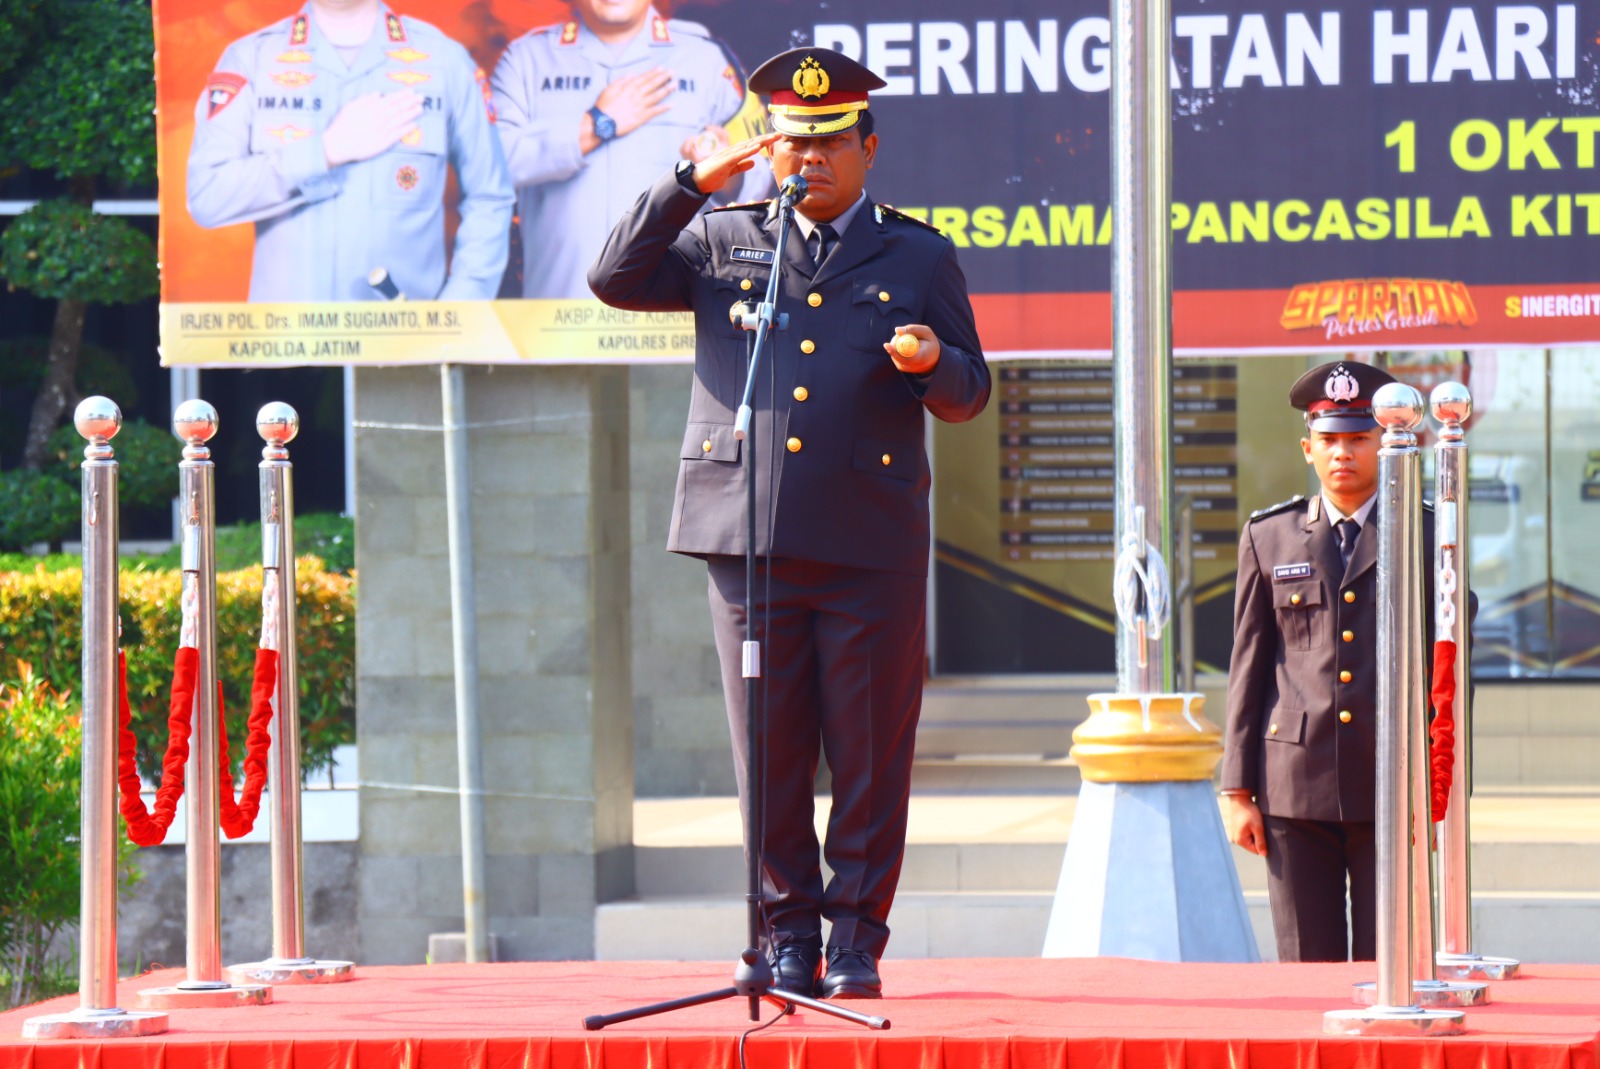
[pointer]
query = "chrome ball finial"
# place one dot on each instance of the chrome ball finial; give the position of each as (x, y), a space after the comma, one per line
(98, 419)
(1397, 406)
(1451, 403)
(195, 421)
(277, 423)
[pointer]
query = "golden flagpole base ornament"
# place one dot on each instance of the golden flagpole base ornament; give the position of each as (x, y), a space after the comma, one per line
(1146, 738)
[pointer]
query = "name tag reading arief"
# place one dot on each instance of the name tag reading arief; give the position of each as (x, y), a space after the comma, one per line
(1291, 571)
(751, 256)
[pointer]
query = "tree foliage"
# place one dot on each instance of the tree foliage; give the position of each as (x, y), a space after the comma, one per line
(64, 250)
(78, 98)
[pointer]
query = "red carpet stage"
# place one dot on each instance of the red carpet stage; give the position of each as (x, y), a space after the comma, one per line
(988, 1014)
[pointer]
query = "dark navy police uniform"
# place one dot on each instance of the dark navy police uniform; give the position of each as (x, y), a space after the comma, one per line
(842, 514)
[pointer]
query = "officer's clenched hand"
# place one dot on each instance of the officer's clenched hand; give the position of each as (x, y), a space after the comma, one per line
(1242, 818)
(630, 102)
(713, 172)
(704, 143)
(369, 125)
(918, 361)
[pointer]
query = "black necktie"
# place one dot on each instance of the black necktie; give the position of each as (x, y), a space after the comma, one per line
(822, 241)
(1348, 532)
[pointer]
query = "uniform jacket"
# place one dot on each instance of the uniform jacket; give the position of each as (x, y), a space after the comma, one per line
(547, 81)
(258, 157)
(1293, 672)
(839, 433)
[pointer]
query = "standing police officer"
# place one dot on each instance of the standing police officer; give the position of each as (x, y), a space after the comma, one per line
(1299, 771)
(837, 446)
(589, 108)
(333, 131)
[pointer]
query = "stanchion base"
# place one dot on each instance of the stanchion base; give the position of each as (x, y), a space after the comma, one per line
(206, 997)
(1430, 993)
(1476, 967)
(95, 1024)
(1394, 1021)
(292, 971)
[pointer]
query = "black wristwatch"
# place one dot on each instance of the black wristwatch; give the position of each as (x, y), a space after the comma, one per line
(605, 127)
(685, 174)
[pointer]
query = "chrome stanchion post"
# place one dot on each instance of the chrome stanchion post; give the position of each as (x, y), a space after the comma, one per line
(97, 1016)
(1452, 406)
(1398, 408)
(195, 422)
(278, 423)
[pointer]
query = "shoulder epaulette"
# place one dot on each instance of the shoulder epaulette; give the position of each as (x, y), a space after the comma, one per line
(1282, 506)
(693, 29)
(743, 205)
(884, 211)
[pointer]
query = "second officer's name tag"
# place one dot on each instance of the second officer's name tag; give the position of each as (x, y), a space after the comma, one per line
(751, 256)
(1291, 571)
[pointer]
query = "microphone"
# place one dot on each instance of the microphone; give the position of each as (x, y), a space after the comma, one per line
(792, 192)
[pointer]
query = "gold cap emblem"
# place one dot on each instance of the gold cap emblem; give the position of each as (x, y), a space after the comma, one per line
(810, 80)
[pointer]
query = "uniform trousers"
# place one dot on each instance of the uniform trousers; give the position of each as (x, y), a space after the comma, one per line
(843, 660)
(1307, 865)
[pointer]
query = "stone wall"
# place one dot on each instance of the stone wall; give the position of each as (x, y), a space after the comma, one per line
(680, 726)
(550, 500)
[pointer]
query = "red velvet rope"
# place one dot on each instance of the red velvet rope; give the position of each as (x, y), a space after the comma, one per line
(1442, 757)
(147, 828)
(238, 818)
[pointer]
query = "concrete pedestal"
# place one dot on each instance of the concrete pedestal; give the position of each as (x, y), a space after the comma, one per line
(1149, 874)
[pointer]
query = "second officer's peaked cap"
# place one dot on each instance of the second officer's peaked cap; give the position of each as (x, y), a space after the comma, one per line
(1337, 397)
(814, 92)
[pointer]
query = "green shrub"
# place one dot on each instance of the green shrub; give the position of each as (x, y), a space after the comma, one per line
(40, 623)
(325, 535)
(36, 506)
(40, 777)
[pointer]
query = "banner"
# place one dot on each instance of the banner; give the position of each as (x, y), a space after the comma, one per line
(1347, 176)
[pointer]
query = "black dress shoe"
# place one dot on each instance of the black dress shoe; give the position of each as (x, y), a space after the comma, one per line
(851, 974)
(794, 968)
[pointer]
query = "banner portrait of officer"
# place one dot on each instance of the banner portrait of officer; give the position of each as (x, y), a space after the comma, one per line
(590, 109)
(334, 131)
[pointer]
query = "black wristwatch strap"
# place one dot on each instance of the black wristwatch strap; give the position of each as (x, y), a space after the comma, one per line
(685, 172)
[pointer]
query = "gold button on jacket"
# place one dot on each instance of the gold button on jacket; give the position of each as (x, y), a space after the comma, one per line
(705, 446)
(794, 445)
(1349, 597)
(1349, 636)
(814, 299)
(1345, 676)
(801, 393)
(808, 346)
(1344, 716)
(744, 284)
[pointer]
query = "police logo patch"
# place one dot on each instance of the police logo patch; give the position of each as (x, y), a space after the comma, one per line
(810, 81)
(396, 28)
(410, 77)
(747, 255)
(293, 79)
(1291, 571)
(294, 55)
(221, 88)
(289, 134)
(1341, 386)
(407, 55)
(406, 178)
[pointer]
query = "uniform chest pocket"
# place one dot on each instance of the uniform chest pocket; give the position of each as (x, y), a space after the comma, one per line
(736, 285)
(1300, 608)
(413, 173)
(876, 308)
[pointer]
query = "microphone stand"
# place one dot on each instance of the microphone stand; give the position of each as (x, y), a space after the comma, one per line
(752, 977)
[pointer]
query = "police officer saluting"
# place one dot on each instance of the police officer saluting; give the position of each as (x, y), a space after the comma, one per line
(333, 131)
(1298, 774)
(842, 492)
